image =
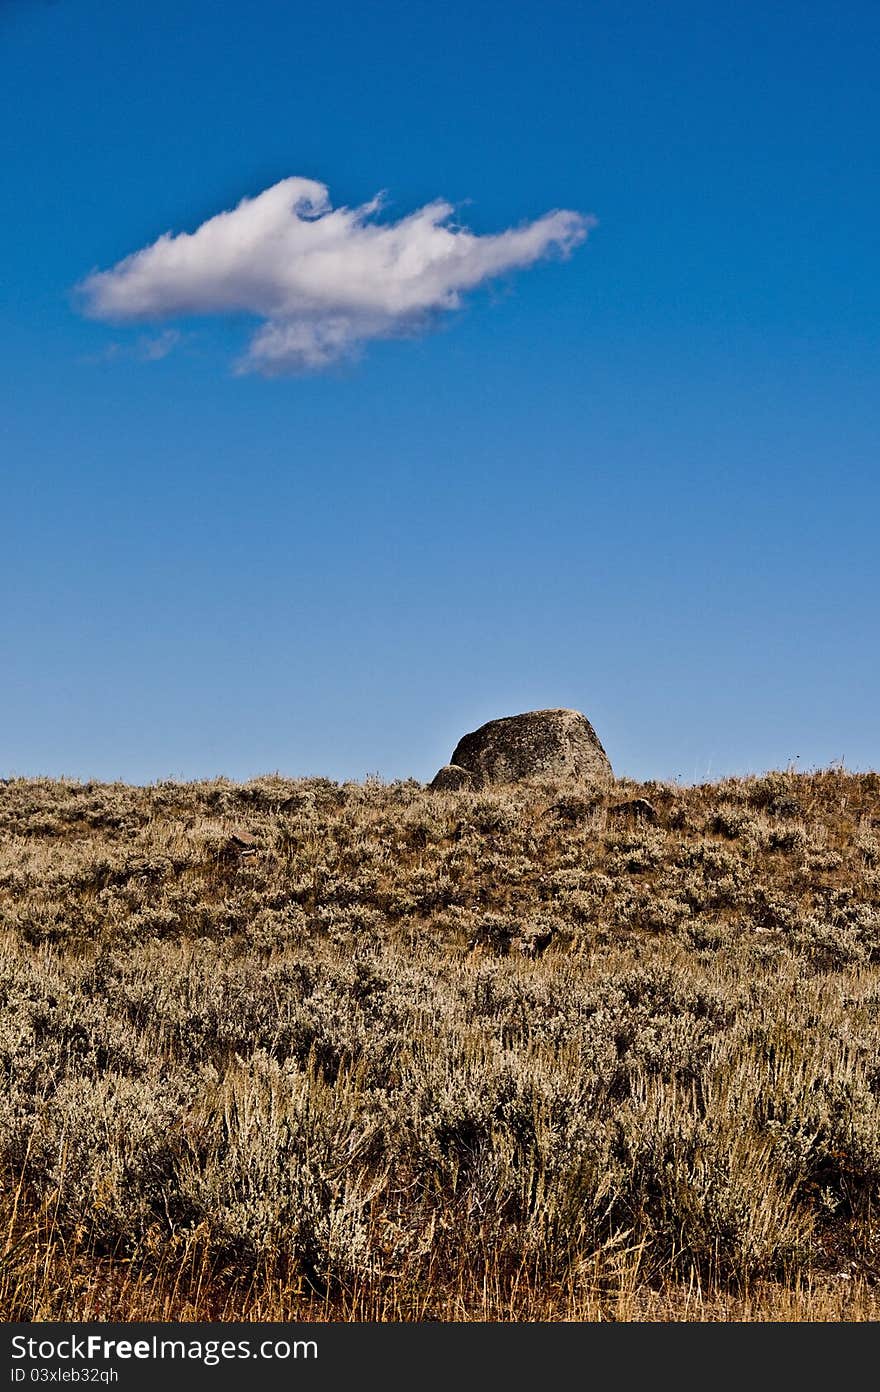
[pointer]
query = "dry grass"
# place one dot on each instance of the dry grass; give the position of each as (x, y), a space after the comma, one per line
(506, 1055)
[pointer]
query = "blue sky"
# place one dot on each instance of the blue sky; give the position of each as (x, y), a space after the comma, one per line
(640, 480)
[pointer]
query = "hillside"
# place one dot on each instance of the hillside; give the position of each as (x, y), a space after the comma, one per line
(298, 1049)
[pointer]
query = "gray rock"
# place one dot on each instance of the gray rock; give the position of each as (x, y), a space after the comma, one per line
(555, 744)
(239, 846)
(451, 779)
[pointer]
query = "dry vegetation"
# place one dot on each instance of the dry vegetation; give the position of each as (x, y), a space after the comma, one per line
(507, 1055)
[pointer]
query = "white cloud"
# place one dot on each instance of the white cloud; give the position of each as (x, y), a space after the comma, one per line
(321, 279)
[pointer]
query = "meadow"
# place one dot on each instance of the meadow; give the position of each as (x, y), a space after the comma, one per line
(294, 1049)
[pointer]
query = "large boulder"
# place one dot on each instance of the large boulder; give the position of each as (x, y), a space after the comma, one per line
(451, 779)
(554, 744)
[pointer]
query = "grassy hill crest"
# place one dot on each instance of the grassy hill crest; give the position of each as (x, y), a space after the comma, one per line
(293, 1048)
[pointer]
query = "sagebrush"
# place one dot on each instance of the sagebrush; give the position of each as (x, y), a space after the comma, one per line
(531, 1052)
